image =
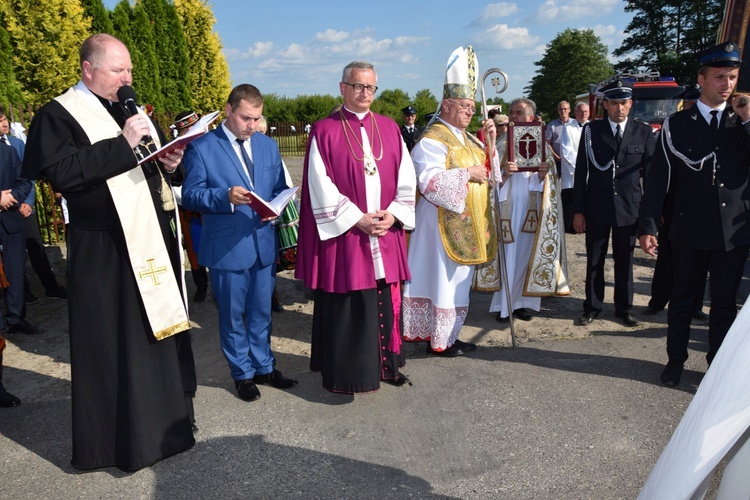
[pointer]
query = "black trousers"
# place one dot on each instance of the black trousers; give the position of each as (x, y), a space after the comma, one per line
(14, 263)
(597, 243)
(726, 270)
(566, 196)
(661, 283)
(37, 254)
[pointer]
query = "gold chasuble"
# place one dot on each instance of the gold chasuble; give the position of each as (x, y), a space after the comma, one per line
(470, 237)
(149, 258)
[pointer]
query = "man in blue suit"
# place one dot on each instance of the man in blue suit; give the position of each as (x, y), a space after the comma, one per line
(237, 246)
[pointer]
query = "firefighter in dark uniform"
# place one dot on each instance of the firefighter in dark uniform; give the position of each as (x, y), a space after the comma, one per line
(703, 155)
(613, 155)
(410, 131)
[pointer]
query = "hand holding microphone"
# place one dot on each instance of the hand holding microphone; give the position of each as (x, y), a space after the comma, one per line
(136, 127)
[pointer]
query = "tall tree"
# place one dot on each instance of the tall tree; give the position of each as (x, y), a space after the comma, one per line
(390, 103)
(664, 35)
(425, 102)
(572, 60)
(132, 27)
(10, 91)
(171, 51)
(45, 37)
(100, 21)
(209, 72)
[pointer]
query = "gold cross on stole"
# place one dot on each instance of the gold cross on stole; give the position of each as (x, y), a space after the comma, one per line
(152, 272)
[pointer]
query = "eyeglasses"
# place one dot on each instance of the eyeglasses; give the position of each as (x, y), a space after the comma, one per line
(563, 109)
(502, 124)
(464, 107)
(359, 88)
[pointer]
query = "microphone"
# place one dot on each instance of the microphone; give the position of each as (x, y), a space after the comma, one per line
(126, 95)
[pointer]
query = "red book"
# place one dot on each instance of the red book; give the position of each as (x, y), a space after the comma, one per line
(197, 130)
(271, 209)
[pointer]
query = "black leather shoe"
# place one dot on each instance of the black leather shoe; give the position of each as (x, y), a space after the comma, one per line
(30, 298)
(465, 346)
(671, 374)
(22, 326)
(628, 320)
(195, 429)
(501, 318)
(700, 315)
(451, 352)
(275, 379)
(276, 306)
(57, 293)
(588, 317)
(200, 295)
(523, 314)
(651, 311)
(399, 381)
(247, 390)
(7, 400)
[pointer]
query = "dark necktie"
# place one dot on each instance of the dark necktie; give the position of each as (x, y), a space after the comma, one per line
(248, 161)
(618, 136)
(714, 120)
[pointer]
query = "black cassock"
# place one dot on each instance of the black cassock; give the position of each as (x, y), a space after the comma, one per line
(129, 404)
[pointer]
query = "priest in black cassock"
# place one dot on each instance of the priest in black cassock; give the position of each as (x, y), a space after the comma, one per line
(131, 369)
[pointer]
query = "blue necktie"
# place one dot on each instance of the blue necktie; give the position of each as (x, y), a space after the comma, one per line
(248, 161)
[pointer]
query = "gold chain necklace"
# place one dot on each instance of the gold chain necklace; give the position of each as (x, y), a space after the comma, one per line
(370, 166)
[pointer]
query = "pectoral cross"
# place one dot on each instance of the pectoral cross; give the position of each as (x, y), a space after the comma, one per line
(152, 272)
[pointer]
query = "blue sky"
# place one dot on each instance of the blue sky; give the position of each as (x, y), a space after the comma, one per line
(294, 48)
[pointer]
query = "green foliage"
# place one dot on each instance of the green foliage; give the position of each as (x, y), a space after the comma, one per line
(45, 37)
(307, 109)
(10, 91)
(163, 24)
(100, 21)
(390, 103)
(664, 35)
(572, 60)
(425, 102)
(210, 83)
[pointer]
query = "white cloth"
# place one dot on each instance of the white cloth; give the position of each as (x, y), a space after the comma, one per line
(571, 137)
(715, 424)
(438, 292)
(324, 193)
(517, 254)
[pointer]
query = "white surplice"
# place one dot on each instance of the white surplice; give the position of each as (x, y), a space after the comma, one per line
(516, 191)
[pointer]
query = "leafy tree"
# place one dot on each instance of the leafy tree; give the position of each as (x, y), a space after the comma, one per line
(10, 91)
(128, 25)
(171, 53)
(45, 37)
(390, 103)
(210, 82)
(425, 102)
(100, 21)
(664, 35)
(311, 108)
(572, 60)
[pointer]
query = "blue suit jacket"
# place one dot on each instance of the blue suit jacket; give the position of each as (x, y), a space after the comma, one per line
(10, 178)
(231, 240)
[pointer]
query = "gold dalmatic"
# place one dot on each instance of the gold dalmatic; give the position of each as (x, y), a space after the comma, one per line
(469, 237)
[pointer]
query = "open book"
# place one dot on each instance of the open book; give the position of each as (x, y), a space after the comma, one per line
(198, 129)
(271, 209)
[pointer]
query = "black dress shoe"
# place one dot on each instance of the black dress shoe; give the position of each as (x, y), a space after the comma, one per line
(276, 306)
(275, 379)
(195, 429)
(22, 326)
(651, 311)
(671, 374)
(522, 313)
(628, 319)
(588, 317)
(58, 292)
(465, 346)
(247, 390)
(451, 352)
(399, 381)
(30, 298)
(7, 400)
(501, 318)
(200, 294)
(700, 315)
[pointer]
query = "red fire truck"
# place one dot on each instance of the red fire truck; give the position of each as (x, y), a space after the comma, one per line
(654, 97)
